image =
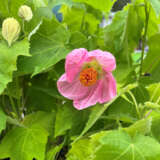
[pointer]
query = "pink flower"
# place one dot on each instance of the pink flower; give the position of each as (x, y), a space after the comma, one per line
(88, 78)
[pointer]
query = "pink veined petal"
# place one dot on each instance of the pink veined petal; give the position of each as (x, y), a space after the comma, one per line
(89, 100)
(108, 88)
(103, 91)
(74, 62)
(106, 59)
(73, 90)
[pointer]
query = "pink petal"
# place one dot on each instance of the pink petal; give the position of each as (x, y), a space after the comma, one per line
(74, 62)
(106, 59)
(103, 91)
(73, 90)
(108, 88)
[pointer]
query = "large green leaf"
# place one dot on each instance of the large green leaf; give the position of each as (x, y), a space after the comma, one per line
(3, 119)
(24, 143)
(119, 145)
(115, 145)
(29, 140)
(48, 46)
(123, 34)
(8, 58)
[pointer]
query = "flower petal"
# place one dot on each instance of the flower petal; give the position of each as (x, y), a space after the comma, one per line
(73, 90)
(74, 62)
(108, 88)
(103, 91)
(89, 100)
(106, 59)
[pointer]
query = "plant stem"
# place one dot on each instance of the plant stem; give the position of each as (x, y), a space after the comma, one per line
(13, 105)
(136, 104)
(144, 36)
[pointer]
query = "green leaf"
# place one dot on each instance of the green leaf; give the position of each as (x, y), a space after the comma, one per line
(142, 126)
(77, 39)
(125, 111)
(44, 119)
(3, 119)
(48, 46)
(154, 92)
(132, 31)
(156, 6)
(30, 137)
(155, 129)
(51, 154)
(8, 58)
(65, 118)
(30, 143)
(83, 21)
(123, 34)
(119, 145)
(152, 59)
(10, 8)
(102, 5)
(115, 145)
(80, 150)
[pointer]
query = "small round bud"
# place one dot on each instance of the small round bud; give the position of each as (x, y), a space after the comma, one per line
(10, 30)
(25, 13)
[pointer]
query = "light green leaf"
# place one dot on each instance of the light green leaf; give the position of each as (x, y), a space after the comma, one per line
(24, 143)
(3, 119)
(30, 137)
(48, 46)
(142, 126)
(115, 145)
(156, 6)
(118, 145)
(80, 150)
(8, 58)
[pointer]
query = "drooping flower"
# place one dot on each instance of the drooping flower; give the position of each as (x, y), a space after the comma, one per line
(88, 78)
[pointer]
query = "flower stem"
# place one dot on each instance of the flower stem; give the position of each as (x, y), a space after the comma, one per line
(144, 36)
(13, 106)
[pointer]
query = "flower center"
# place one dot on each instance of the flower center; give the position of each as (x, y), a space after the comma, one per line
(88, 77)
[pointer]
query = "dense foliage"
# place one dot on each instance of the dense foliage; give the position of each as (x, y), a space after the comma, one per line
(36, 122)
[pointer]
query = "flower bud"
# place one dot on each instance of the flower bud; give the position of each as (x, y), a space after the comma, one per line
(10, 30)
(25, 12)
